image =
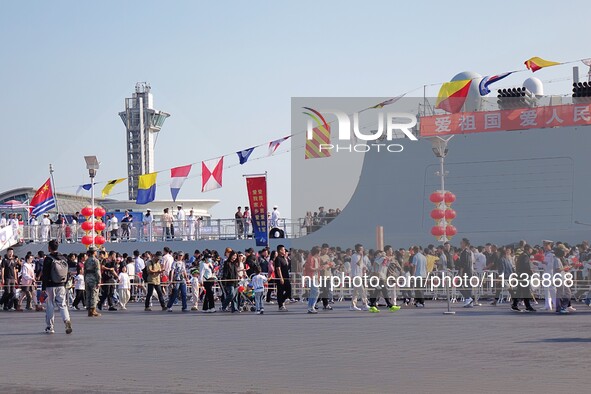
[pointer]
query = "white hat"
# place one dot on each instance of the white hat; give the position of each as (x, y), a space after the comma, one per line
(275, 207)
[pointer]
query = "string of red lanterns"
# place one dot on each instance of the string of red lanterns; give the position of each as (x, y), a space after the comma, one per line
(93, 226)
(443, 201)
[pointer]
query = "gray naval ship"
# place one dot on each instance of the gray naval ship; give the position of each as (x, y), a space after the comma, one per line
(525, 177)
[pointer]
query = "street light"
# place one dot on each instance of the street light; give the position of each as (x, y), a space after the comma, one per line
(92, 165)
(439, 147)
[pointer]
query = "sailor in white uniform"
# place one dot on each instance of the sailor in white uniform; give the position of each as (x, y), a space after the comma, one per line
(192, 223)
(45, 227)
(181, 222)
(148, 225)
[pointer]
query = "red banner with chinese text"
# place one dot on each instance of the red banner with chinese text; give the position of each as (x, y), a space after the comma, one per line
(506, 120)
(257, 196)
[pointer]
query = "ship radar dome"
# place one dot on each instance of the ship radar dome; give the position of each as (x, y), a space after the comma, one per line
(473, 101)
(534, 85)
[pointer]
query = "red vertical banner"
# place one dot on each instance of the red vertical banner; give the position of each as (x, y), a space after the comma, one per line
(257, 196)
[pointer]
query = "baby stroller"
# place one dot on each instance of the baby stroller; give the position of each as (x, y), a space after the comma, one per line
(246, 294)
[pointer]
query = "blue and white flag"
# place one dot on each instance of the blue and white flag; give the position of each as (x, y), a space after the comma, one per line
(483, 86)
(86, 186)
(243, 155)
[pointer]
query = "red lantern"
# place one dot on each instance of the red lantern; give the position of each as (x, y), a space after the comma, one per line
(86, 211)
(437, 231)
(449, 198)
(86, 226)
(86, 240)
(99, 212)
(450, 230)
(450, 214)
(437, 214)
(436, 197)
(99, 240)
(99, 226)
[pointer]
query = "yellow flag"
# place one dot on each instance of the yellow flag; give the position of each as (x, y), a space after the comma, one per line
(110, 185)
(536, 63)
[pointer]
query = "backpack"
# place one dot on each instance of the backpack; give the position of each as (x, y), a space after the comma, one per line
(59, 270)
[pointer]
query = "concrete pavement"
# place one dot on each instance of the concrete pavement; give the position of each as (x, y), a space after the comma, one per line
(485, 349)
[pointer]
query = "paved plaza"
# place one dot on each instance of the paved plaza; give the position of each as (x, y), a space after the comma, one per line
(485, 349)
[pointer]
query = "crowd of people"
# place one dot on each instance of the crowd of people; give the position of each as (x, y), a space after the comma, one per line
(314, 221)
(97, 279)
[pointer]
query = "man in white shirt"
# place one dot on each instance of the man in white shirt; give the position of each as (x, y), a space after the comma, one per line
(167, 259)
(359, 266)
(275, 216)
(181, 224)
(114, 225)
(479, 259)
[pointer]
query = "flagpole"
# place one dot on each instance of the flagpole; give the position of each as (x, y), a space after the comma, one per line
(53, 188)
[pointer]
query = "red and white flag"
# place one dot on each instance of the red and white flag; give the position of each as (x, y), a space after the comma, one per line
(211, 174)
(273, 145)
(178, 176)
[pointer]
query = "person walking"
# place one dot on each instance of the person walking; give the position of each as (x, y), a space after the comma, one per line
(154, 271)
(207, 280)
(53, 281)
(178, 277)
(524, 271)
(79, 288)
(359, 266)
(466, 269)
(548, 266)
(109, 275)
(257, 282)
(230, 280)
(311, 269)
(419, 270)
(124, 287)
(281, 264)
(9, 279)
(195, 286)
(28, 279)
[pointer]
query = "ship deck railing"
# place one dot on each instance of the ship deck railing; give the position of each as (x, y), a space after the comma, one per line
(212, 229)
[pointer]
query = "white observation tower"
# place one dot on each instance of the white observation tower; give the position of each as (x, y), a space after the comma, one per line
(142, 123)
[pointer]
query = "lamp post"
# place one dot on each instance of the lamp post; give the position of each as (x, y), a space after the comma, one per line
(92, 165)
(439, 147)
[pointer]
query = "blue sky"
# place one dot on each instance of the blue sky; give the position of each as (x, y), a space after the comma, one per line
(226, 71)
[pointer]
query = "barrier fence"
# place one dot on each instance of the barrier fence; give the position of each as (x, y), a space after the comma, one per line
(490, 286)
